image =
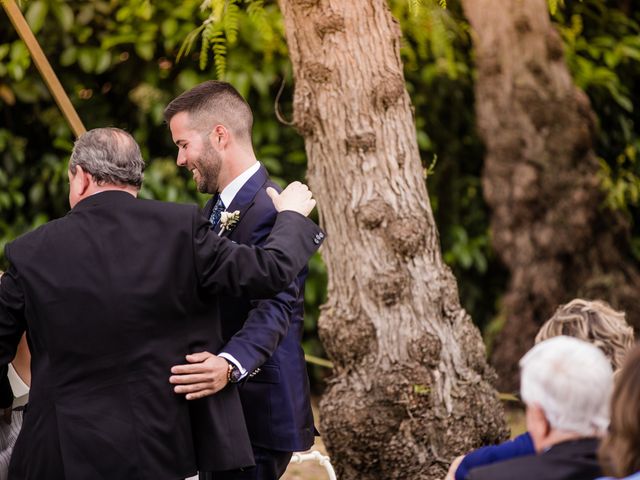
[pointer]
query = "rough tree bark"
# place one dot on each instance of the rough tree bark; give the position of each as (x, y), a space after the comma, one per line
(411, 384)
(541, 177)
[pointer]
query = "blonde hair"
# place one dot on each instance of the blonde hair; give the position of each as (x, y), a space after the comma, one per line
(593, 321)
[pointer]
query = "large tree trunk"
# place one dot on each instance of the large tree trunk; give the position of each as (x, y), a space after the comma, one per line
(541, 177)
(410, 386)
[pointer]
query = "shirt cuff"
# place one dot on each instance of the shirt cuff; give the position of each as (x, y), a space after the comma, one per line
(231, 359)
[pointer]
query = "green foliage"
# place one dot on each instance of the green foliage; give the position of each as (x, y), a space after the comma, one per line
(553, 6)
(622, 184)
(602, 48)
(118, 59)
(436, 51)
(433, 32)
(220, 30)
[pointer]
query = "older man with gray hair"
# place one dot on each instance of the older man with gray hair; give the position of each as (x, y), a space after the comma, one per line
(566, 385)
(111, 296)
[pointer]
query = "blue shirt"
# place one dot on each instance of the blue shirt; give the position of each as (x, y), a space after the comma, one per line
(518, 447)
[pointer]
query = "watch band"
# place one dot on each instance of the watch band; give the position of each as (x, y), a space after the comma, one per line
(229, 371)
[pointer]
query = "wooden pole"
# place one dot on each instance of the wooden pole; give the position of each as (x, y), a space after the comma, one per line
(43, 65)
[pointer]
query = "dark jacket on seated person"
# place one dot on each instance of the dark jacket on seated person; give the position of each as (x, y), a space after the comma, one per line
(571, 460)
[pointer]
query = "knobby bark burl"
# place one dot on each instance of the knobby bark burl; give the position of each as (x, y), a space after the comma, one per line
(541, 177)
(411, 386)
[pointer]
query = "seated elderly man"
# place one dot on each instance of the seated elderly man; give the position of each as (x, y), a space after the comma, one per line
(566, 385)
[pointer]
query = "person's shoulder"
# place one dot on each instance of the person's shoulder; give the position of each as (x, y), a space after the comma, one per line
(36, 245)
(28, 239)
(263, 201)
(168, 208)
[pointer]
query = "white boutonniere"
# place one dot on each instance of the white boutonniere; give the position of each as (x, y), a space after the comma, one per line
(228, 220)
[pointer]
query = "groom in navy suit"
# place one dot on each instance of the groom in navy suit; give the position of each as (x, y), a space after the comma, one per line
(211, 125)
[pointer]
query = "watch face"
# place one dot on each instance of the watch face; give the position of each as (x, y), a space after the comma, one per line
(235, 375)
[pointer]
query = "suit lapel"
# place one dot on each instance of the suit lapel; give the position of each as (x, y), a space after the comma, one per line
(244, 199)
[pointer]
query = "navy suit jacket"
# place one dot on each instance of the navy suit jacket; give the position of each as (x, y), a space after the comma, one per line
(266, 335)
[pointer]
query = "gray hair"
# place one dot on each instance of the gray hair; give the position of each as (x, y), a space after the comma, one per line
(110, 155)
(571, 380)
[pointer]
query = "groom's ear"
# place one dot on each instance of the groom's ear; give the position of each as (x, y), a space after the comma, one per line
(219, 136)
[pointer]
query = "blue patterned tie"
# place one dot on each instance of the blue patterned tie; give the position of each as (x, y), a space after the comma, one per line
(218, 208)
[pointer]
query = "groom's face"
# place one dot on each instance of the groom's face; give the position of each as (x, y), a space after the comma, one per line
(196, 153)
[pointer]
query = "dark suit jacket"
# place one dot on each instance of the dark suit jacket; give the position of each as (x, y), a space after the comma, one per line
(572, 460)
(266, 334)
(112, 296)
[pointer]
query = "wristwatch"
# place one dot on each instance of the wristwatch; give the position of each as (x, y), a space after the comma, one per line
(233, 373)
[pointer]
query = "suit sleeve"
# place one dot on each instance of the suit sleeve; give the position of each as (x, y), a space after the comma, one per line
(224, 267)
(265, 327)
(268, 321)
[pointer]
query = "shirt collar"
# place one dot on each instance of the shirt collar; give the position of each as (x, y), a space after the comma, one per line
(230, 191)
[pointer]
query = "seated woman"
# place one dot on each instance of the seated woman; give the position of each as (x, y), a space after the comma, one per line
(591, 321)
(620, 451)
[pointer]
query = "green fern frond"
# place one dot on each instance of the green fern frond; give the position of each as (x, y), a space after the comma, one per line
(554, 5)
(220, 55)
(187, 44)
(232, 22)
(414, 7)
(223, 24)
(258, 16)
(207, 34)
(254, 7)
(217, 9)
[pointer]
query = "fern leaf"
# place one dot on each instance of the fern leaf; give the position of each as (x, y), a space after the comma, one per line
(232, 22)
(220, 58)
(258, 16)
(414, 7)
(187, 44)
(204, 48)
(217, 9)
(219, 48)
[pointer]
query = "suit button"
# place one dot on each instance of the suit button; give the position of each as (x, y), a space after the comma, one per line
(316, 241)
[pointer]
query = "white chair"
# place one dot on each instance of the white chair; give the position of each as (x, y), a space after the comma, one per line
(315, 455)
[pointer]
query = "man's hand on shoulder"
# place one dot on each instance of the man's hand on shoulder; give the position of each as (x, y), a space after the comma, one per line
(296, 197)
(204, 375)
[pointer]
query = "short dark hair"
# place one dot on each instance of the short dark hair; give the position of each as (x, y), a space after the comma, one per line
(110, 155)
(214, 102)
